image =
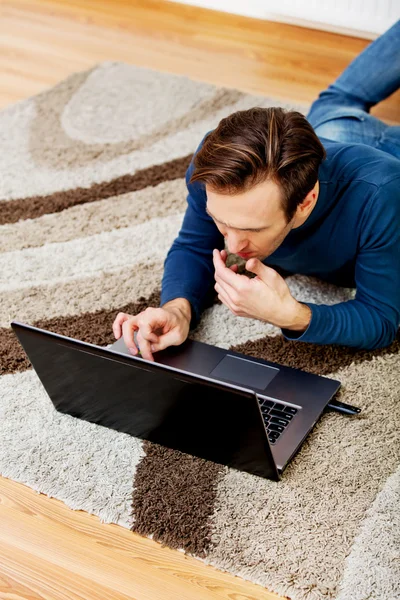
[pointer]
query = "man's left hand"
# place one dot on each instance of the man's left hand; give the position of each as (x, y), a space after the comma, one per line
(266, 297)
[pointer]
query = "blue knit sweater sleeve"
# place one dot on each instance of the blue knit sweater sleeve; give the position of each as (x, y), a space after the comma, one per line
(188, 268)
(370, 320)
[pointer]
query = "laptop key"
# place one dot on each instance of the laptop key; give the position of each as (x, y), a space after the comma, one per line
(282, 415)
(279, 406)
(291, 410)
(275, 427)
(274, 434)
(267, 404)
(279, 421)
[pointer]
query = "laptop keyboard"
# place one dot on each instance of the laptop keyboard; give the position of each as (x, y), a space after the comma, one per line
(276, 417)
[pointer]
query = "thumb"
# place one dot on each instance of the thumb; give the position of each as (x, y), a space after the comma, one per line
(266, 274)
(254, 265)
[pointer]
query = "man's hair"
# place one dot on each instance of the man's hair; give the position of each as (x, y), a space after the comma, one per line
(251, 146)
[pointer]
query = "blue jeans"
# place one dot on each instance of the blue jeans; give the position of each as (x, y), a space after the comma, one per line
(341, 112)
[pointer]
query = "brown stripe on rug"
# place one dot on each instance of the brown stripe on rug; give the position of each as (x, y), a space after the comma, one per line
(313, 358)
(173, 498)
(94, 328)
(11, 211)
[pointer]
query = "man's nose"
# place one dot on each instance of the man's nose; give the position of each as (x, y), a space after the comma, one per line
(236, 242)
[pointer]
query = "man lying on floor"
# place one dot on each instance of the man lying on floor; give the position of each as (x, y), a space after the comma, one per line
(317, 196)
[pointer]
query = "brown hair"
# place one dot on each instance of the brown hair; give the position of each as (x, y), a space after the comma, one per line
(251, 146)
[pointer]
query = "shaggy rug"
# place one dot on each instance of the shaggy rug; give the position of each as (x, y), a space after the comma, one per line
(92, 195)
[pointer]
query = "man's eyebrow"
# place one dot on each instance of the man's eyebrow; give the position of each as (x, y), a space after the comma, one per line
(238, 228)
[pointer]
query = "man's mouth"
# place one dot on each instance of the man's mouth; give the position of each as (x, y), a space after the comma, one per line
(245, 254)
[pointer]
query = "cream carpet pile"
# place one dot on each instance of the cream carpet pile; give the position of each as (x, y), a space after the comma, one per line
(92, 195)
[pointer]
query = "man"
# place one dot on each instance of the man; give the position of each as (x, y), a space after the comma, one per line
(318, 196)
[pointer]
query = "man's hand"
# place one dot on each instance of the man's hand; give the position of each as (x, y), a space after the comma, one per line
(158, 328)
(265, 297)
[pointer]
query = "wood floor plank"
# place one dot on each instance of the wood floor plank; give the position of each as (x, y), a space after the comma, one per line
(58, 553)
(24, 576)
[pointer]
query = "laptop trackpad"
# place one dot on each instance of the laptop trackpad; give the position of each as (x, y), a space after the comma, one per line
(244, 372)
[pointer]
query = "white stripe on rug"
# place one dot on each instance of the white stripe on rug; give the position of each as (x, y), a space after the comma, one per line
(373, 567)
(220, 327)
(116, 212)
(58, 262)
(104, 291)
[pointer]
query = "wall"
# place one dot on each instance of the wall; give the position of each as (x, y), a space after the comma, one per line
(363, 18)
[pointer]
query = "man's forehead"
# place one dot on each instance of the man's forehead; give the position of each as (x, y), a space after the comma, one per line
(253, 209)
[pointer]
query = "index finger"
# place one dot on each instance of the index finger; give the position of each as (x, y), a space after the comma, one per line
(224, 256)
(117, 325)
(224, 273)
(128, 328)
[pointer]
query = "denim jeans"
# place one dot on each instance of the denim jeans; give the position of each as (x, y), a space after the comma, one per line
(341, 112)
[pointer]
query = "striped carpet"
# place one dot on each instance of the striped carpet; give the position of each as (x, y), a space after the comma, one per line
(92, 195)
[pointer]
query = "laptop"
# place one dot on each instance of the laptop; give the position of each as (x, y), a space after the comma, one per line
(223, 406)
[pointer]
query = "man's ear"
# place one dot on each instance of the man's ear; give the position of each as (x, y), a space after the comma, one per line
(309, 199)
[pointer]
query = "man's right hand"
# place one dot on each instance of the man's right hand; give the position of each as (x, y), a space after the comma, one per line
(158, 328)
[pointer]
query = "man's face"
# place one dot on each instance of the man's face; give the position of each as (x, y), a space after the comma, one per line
(253, 222)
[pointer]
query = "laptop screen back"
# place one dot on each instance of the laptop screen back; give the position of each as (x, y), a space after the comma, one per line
(150, 401)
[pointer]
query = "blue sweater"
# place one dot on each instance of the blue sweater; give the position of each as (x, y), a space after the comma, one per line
(351, 239)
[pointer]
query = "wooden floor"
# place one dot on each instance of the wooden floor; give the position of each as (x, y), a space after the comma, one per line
(43, 41)
(46, 550)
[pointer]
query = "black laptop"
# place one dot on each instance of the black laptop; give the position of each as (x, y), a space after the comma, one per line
(216, 404)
